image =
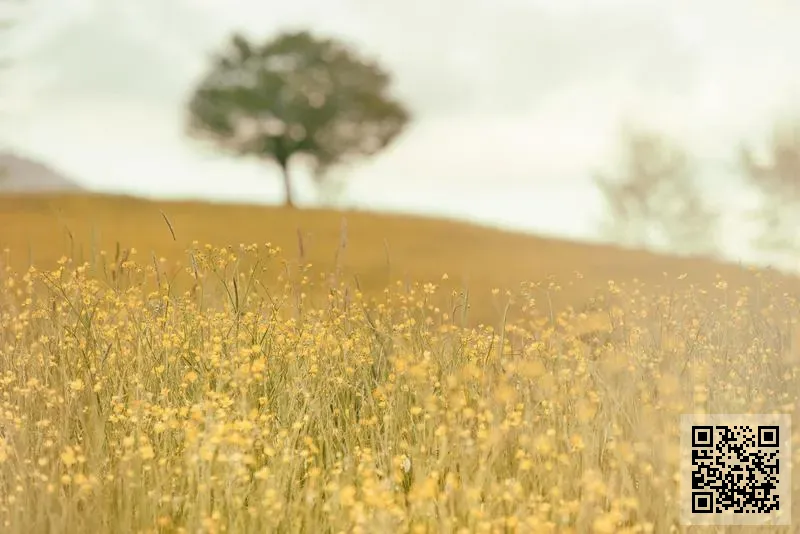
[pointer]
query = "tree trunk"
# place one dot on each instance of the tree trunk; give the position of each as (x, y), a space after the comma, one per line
(287, 186)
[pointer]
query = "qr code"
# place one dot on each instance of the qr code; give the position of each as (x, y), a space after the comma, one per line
(738, 469)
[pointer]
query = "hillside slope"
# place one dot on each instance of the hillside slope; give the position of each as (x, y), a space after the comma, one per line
(377, 248)
(19, 174)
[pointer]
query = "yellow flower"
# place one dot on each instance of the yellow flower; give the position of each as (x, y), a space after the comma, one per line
(76, 385)
(68, 457)
(543, 445)
(532, 369)
(577, 442)
(146, 452)
(258, 365)
(426, 490)
(586, 411)
(347, 496)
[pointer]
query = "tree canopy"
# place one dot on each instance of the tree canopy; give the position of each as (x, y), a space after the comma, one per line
(777, 178)
(654, 200)
(296, 95)
(7, 22)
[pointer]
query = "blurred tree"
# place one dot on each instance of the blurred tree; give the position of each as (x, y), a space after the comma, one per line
(8, 19)
(777, 178)
(6, 22)
(655, 201)
(296, 95)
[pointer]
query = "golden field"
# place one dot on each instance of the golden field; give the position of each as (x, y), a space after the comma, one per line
(372, 250)
(400, 375)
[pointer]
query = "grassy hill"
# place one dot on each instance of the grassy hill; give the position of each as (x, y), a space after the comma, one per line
(377, 249)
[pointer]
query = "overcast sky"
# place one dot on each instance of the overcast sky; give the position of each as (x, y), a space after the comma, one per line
(517, 102)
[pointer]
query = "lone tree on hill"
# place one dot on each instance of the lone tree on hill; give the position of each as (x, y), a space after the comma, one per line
(296, 95)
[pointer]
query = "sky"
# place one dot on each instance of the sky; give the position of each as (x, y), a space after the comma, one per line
(517, 103)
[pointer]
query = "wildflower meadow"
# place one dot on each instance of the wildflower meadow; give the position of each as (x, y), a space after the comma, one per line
(241, 392)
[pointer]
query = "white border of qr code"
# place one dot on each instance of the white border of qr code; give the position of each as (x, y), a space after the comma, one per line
(782, 516)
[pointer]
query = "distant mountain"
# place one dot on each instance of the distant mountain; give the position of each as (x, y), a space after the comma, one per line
(19, 174)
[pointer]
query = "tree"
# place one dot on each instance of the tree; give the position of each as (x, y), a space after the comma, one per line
(8, 20)
(296, 95)
(777, 178)
(7, 23)
(655, 199)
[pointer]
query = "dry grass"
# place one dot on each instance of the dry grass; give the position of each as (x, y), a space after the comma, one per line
(379, 249)
(240, 392)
